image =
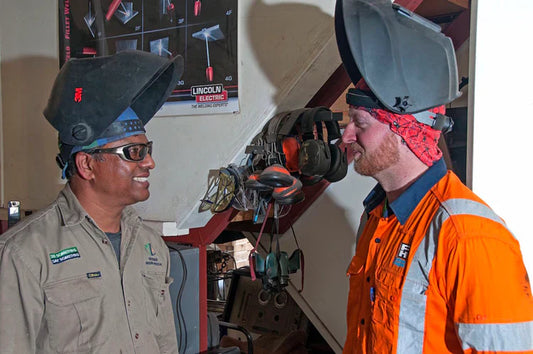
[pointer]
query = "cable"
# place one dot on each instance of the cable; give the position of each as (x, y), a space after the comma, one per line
(294, 235)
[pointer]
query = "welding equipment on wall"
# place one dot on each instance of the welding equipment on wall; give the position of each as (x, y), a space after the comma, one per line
(226, 188)
(276, 267)
(400, 48)
(286, 188)
(288, 139)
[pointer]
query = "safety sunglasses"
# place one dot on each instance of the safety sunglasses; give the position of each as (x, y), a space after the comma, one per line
(129, 152)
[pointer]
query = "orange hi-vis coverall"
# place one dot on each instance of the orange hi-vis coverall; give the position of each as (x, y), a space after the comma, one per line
(437, 271)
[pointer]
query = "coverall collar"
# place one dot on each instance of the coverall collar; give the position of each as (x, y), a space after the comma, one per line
(407, 202)
(72, 213)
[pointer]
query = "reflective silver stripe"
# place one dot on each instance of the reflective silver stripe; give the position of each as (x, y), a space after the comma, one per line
(467, 206)
(508, 337)
(413, 302)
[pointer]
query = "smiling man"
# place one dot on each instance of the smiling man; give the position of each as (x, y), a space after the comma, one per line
(85, 274)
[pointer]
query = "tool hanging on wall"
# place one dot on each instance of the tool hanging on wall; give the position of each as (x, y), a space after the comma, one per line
(226, 189)
(274, 270)
(210, 34)
(220, 192)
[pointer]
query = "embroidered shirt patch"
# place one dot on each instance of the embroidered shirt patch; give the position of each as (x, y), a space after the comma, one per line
(94, 275)
(64, 255)
(403, 254)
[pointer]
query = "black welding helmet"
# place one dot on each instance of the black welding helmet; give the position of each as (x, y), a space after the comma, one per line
(405, 60)
(89, 94)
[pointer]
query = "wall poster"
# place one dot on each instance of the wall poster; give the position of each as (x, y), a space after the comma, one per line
(204, 32)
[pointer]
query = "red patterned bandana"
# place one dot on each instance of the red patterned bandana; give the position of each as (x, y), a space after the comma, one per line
(419, 137)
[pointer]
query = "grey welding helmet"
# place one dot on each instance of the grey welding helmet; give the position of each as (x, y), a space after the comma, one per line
(405, 60)
(89, 94)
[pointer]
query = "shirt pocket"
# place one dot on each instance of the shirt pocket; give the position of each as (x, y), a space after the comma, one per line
(73, 312)
(156, 288)
(387, 296)
(356, 273)
(400, 299)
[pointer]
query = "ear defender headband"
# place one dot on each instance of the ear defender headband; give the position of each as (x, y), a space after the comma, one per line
(338, 167)
(314, 158)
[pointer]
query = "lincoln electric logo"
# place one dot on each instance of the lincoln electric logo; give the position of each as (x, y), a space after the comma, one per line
(78, 91)
(209, 93)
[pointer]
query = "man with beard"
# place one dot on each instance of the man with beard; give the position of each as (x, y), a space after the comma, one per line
(85, 275)
(435, 269)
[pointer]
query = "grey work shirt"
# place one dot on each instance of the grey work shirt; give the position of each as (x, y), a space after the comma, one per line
(62, 289)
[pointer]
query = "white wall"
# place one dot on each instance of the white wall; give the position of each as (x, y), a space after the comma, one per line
(28, 43)
(501, 105)
(278, 59)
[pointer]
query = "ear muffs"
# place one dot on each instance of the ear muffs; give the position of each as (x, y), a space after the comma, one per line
(310, 180)
(274, 153)
(277, 142)
(276, 176)
(289, 195)
(253, 183)
(291, 150)
(314, 158)
(287, 140)
(339, 165)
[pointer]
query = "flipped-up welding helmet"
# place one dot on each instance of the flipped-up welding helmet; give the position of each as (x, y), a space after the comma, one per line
(405, 60)
(89, 94)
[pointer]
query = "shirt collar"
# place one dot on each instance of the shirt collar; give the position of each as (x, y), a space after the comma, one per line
(72, 212)
(408, 200)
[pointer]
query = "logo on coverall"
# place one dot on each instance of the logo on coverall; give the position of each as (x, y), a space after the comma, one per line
(152, 260)
(64, 255)
(403, 253)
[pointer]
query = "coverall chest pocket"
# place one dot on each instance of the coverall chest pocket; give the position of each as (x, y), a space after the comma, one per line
(387, 296)
(356, 271)
(156, 287)
(401, 299)
(72, 313)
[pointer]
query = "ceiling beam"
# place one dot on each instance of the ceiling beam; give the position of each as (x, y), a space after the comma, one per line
(409, 4)
(463, 3)
(459, 29)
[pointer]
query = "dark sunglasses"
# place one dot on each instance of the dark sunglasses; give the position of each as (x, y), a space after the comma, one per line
(129, 152)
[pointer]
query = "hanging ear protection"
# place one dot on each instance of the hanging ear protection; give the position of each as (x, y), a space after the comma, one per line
(289, 195)
(277, 143)
(274, 152)
(339, 164)
(253, 183)
(288, 141)
(276, 176)
(310, 180)
(314, 157)
(291, 148)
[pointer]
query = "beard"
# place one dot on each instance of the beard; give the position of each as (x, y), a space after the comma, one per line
(385, 155)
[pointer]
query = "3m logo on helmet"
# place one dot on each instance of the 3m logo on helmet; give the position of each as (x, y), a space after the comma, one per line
(78, 91)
